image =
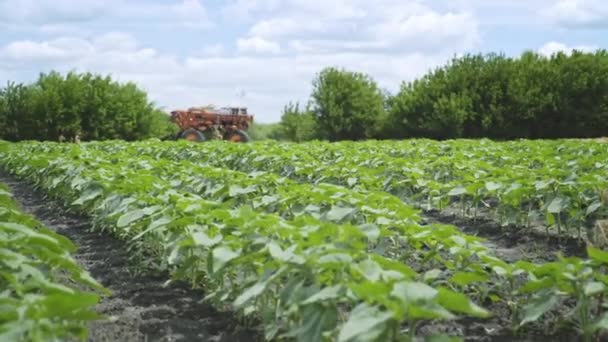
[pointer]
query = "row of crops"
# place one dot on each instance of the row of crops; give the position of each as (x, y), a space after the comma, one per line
(44, 294)
(560, 185)
(324, 240)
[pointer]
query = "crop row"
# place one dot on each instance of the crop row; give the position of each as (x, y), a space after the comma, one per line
(249, 238)
(302, 274)
(41, 285)
(556, 184)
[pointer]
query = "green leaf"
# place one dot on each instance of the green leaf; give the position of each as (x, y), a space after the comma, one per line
(351, 181)
(287, 255)
(317, 319)
(458, 302)
(158, 223)
(221, 256)
(457, 191)
(593, 208)
(431, 275)
(130, 217)
(340, 258)
(325, 294)
(370, 270)
(538, 307)
(493, 186)
(601, 323)
(202, 239)
(366, 323)
(371, 231)
(597, 255)
(236, 190)
(70, 306)
(90, 193)
(593, 288)
(467, 278)
(499, 270)
(338, 214)
(250, 293)
(535, 285)
(409, 291)
(557, 205)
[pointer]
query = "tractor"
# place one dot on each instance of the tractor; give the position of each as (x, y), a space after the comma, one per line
(208, 123)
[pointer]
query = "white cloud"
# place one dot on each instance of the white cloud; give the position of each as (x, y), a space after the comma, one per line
(552, 47)
(188, 13)
(362, 26)
(115, 41)
(263, 83)
(284, 27)
(53, 11)
(258, 45)
(50, 15)
(214, 50)
(245, 9)
(429, 31)
(60, 49)
(579, 13)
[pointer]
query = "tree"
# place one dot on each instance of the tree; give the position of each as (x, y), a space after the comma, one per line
(296, 125)
(347, 105)
(531, 96)
(263, 131)
(92, 106)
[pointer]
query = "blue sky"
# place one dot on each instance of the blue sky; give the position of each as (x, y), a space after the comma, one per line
(264, 53)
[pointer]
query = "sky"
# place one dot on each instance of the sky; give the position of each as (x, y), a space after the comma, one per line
(263, 54)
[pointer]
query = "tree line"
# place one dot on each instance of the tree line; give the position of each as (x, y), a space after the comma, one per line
(473, 96)
(92, 107)
(493, 96)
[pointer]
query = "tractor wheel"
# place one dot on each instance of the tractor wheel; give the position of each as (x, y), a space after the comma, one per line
(238, 136)
(192, 135)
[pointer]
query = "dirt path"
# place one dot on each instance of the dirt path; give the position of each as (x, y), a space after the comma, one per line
(512, 244)
(141, 309)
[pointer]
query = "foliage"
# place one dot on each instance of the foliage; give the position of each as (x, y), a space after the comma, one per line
(41, 294)
(242, 237)
(473, 96)
(347, 105)
(92, 106)
(494, 96)
(262, 131)
(564, 191)
(307, 237)
(296, 125)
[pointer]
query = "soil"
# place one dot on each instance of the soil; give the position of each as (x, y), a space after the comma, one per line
(140, 308)
(512, 243)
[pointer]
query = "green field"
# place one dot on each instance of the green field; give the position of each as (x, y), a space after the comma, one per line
(44, 294)
(355, 241)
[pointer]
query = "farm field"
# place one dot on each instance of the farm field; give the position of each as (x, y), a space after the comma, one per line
(355, 241)
(46, 295)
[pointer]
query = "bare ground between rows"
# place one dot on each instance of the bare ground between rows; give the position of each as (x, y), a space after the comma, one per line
(512, 243)
(140, 308)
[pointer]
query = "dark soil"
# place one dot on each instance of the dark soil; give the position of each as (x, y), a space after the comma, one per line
(140, 308)
(512, 243)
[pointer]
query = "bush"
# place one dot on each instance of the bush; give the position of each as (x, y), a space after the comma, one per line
(505, 98)
(92, 106)
(347, 105)
(296, 125)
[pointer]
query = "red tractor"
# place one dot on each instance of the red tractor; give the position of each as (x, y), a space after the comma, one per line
(200, 124)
